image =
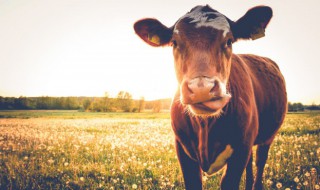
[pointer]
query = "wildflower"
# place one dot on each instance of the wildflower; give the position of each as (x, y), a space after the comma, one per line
(299, 186)
(278, 153)
(287, 188)
(134, 186)
(42, 146)
(26, 158)
(298, 153)
(279, 185)
(81, 178)
(50, 161)
(305, 183)
(317, 187)
(269, 182)
(307, 174)
(313, 171)
(296, 179)
(204, 178)
(66, 164)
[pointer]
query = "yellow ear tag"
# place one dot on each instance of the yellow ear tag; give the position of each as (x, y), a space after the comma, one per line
(154, 39)
(258, 33)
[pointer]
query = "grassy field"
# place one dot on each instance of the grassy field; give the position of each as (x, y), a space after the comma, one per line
(78, 150)
(73, 114)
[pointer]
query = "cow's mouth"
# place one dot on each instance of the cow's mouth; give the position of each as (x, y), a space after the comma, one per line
(212, 107)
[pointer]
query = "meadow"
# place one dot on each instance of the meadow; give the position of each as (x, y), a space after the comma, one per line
(79, 150)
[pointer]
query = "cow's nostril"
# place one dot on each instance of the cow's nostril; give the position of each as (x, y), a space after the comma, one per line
(189, 89)
(215, 87)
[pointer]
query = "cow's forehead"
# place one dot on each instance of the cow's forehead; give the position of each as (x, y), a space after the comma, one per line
(204, 16)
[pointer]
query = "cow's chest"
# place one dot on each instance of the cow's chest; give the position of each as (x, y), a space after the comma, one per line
(210, 147)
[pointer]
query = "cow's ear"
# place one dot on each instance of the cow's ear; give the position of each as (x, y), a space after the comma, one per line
(252, 25)
(153, 32)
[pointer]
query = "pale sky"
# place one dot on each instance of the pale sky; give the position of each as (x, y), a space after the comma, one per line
(88, 47)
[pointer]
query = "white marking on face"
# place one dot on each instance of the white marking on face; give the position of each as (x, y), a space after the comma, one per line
(200, 18)
(176, 31)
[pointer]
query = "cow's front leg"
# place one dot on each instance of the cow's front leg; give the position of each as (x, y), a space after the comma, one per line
(190, 169)
(235, 167)
(249, 174)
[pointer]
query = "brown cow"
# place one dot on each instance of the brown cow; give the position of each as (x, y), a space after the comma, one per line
(226, 103)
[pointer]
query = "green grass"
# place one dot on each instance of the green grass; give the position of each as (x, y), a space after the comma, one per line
(74, 114)
(79, 150)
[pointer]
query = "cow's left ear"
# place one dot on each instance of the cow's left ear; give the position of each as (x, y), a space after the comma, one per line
(252, 25)
(153, 32)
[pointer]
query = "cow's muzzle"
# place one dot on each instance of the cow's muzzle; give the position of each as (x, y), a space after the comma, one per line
(204, 95)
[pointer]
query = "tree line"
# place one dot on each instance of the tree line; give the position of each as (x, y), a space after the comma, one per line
(123, 102)
(295, 107)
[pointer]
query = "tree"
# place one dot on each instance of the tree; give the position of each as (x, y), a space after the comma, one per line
(124, 101)
(141, 104)
(97, 105)
(20, 103)
(86, 104)
(157, 106)
(108, 103)
(31, 103)
(313, 106)
(2, 103)
(295, 107)
(44, 102)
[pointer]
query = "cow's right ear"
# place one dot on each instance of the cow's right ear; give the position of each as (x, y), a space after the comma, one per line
(153, 32)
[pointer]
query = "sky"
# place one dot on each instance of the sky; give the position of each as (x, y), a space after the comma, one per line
(89, 47)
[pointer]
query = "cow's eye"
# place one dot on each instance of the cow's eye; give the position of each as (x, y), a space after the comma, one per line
(229, 43)
(174, 43)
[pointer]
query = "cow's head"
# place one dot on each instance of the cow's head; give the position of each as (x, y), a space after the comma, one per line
(202, 48)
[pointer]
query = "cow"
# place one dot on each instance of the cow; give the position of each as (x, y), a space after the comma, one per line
(226, 103)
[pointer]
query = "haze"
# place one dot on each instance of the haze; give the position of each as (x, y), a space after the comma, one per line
(87, 48)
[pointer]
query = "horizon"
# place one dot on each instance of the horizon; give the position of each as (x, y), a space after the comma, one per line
(133, 98)
(81, 48)
(112, 97)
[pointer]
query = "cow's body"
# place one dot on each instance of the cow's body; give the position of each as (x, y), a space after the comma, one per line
(226, 103)
(252, 117)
